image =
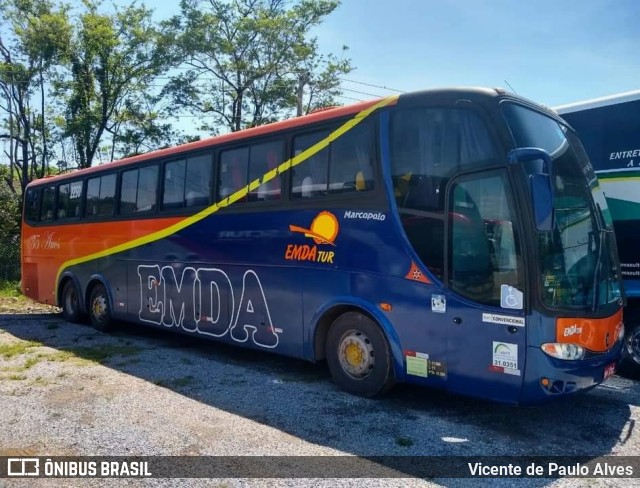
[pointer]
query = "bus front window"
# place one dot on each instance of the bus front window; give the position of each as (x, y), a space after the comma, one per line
(429, 145)
(430, 148)
(576, 260)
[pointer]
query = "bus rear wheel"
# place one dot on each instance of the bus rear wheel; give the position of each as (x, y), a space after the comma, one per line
(99, 310)
(358, 355)
(71, 303)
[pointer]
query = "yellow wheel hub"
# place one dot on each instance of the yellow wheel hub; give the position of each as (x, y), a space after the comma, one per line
(354, 355)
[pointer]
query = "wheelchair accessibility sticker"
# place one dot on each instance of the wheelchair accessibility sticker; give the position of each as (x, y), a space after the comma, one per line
(510, 297)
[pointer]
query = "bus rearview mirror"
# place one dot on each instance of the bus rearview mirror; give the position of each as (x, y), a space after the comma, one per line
(537, 163)
(542, 201)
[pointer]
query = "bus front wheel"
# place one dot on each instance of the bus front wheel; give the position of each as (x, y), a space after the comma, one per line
(99, 310)
(358, 355)
(71, 303)
(630, 364)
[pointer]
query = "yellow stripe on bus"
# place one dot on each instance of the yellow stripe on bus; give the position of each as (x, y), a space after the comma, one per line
(238, 195)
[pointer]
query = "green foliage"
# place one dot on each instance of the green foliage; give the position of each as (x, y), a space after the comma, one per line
(114, 59)
(34, 36)
(79, 83)
(10, 289)
(9, 212)
(250, 60)
(9, 233)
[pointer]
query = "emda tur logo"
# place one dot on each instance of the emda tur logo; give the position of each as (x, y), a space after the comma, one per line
(323, 230)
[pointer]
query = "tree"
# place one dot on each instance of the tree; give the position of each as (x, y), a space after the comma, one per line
(248, 61)
(9, 231)
(137, 127)
(114, 59)
(35, 36)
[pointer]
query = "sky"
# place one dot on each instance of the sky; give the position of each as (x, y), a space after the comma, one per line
(551, 51)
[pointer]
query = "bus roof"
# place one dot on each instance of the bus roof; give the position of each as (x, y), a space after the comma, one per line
(317, 116)
(616, 99)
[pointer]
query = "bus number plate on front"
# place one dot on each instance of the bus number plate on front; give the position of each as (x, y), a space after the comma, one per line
(609, 370)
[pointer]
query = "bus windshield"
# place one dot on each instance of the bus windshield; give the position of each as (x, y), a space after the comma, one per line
(576, 258)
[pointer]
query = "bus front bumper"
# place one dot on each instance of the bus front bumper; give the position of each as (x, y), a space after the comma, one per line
(548, 378)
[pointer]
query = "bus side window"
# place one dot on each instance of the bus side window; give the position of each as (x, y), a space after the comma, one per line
(309, 178)
(174, 179)
(63, 201)
(470, 257)
(483, 240)
(138, 190)
(69, 199)
(101, 192)
(263, 158)
(48, 202)
(351, 166)
(32, 206)
(234, 166)
(197, 186)
(187, 183)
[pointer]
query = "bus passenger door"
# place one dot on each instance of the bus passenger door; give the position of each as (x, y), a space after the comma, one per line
(485, 306)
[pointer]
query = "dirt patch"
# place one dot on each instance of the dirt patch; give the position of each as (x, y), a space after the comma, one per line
(24, 305)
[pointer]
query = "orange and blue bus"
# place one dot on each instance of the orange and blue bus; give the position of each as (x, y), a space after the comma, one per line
(450, 238)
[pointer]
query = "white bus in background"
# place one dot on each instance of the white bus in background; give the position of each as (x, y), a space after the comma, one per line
(609, 128)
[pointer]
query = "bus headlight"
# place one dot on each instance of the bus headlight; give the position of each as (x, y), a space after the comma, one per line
(563, 351)
(621, 332)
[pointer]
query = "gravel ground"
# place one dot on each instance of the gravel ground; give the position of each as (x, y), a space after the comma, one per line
(69, 390)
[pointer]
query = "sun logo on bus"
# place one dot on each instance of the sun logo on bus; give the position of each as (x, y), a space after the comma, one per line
(323, 229)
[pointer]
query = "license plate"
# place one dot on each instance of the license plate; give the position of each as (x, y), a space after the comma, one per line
(609, 370)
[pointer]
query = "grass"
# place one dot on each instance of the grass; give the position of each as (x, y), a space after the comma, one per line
(10, 289)
(40, 381)
(404, 441)
(31, 361)
(77, 355)
(17, 348)
(95, 354)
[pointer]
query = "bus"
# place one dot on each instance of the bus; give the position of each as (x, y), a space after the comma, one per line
(610, 130)
(450, 238)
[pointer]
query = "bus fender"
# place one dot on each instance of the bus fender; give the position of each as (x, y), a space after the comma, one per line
(369, 309)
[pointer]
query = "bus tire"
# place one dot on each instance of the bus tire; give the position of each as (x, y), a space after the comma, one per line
(99, 310)
(630, 364)
(358, 355)
(71, 303)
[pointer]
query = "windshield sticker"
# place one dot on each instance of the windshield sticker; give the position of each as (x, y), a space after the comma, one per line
(510, 297)
(323, 230)
(505, 358)
(493, 318)
(438, 303)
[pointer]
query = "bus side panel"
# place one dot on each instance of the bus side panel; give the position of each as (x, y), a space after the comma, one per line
(185, 282)
(250, 306)
(409, 326)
